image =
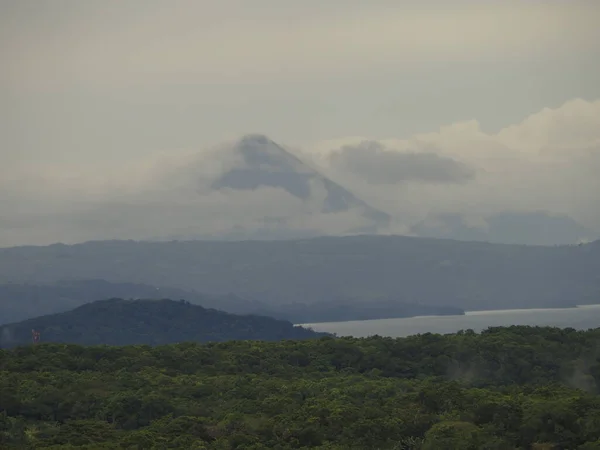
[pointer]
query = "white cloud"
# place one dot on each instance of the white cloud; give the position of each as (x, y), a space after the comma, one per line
(549, 161)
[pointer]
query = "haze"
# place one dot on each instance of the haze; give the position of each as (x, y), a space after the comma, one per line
(116, 117)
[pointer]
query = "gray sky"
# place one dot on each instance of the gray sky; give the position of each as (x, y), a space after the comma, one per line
(88, 86)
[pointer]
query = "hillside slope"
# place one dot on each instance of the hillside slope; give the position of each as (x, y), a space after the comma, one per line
(151, 322)
(468, 275)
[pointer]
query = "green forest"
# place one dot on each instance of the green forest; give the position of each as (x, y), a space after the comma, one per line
(504, 388)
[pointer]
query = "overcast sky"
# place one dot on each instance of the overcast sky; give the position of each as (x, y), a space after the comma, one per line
(97, 85)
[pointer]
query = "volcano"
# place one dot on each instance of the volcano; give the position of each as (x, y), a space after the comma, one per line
(263, 163)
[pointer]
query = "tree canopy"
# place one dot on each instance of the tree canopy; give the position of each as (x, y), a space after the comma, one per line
(505, 388)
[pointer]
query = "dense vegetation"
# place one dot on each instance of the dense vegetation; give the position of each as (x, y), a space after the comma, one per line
(506, 388)
(20, 301)
(434, 272)
(151, 322)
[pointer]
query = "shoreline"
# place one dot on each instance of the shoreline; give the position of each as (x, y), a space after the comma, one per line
(466, 313)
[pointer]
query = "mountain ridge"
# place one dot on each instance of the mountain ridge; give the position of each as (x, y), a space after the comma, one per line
(466, 275)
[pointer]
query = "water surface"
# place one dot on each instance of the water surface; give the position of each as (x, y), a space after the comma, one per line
(580, 318)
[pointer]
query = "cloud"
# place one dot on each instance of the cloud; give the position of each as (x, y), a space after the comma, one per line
(204, 215)
(141, 41)
(149, 214)
(548, 162)
(168, 195)
(378, 165)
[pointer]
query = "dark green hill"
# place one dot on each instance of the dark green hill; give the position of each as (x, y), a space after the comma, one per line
(151, 322)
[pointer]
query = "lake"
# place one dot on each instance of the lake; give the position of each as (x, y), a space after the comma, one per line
(582, 318)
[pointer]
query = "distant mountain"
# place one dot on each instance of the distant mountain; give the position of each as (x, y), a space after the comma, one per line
(267, 164)
(255, 162)
(150, 322)
(21, 301)
(431, 272)
(533, 228)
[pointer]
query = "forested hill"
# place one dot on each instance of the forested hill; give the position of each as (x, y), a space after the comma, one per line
(152, 322)
(517, 388)
(21, 301)
(432, 272)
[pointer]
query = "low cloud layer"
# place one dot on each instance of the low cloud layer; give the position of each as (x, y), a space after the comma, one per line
(378, 165)
(548, 162)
